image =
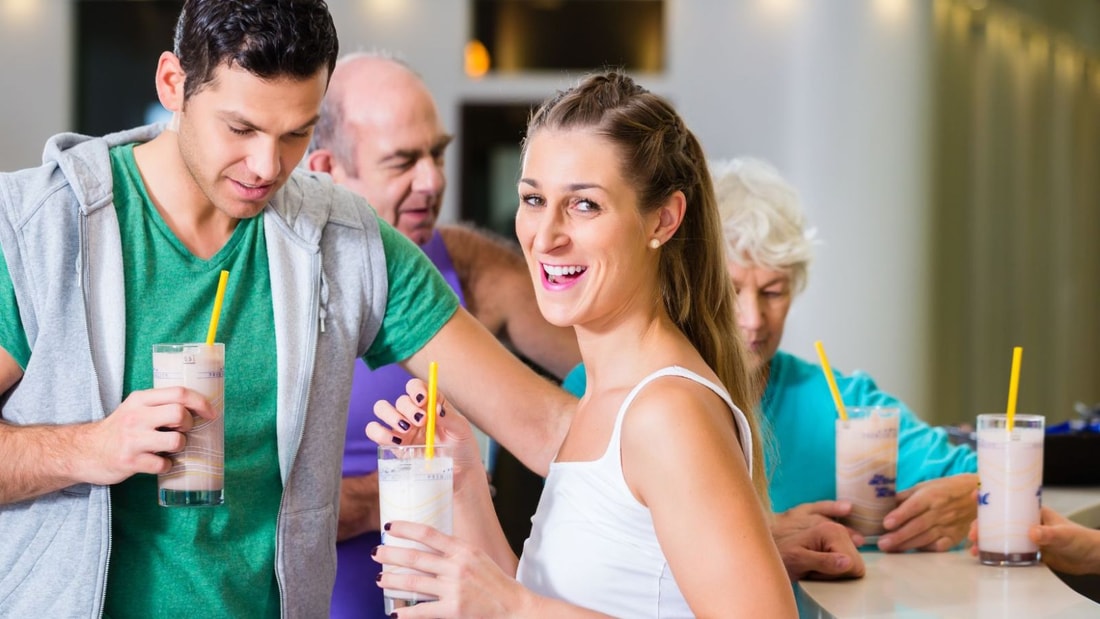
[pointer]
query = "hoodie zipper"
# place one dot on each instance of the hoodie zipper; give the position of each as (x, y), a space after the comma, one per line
(303, 406)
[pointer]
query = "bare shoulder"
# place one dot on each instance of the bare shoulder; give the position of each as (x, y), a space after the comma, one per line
(673, 408)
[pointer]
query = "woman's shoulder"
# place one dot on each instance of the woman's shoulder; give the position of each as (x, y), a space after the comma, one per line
(676, 402)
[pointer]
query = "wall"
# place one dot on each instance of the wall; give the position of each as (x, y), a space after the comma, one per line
(832, 93)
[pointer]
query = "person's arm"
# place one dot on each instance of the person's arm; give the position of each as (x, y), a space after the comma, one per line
(39, 459)
(500, 294)
(359, 511)
(523, 411)
(690, 472)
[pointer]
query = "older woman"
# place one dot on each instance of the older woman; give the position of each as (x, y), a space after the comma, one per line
(768, 252)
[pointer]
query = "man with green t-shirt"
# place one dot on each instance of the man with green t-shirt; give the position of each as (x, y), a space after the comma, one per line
(115, 244)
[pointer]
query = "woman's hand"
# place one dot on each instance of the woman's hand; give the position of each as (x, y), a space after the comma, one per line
(467, 582)
(405, 423)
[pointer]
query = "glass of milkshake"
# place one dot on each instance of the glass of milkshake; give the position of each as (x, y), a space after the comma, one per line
(1010, 471)
(197, 474)
(866, 467)
(419, 489)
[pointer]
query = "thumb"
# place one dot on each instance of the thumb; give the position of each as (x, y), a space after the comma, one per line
(1040, 534)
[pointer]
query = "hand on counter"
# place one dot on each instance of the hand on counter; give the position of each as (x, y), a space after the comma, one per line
(933, 515)
(1064, 546)
(814, 546)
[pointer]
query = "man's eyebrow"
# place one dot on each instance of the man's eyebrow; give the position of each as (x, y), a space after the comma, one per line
(247, 124)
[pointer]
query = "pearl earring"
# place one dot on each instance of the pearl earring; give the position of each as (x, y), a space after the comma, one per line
(654, 243)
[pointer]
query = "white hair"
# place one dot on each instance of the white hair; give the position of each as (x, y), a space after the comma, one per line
(762, 218)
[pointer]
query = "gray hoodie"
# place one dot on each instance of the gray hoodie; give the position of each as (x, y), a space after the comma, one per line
(60, 236)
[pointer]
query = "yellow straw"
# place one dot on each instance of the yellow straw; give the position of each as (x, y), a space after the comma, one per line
(1013, 386)
(433, 378)
(217, 308)
(829, 378)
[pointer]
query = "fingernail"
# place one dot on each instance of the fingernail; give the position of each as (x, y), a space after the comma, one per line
(441, 411)
(373, 552)
(404, 425)
(386, 527)
(417, 417)
(397, 440)
(419, 398)
(393, 615)
(379, 577)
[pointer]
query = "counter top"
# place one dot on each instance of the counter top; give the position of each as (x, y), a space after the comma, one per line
(953, 584)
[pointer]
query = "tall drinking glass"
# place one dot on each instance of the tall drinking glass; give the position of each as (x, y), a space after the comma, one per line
(416, 488)
(866, 467)
(197, 474)
(1010, 471)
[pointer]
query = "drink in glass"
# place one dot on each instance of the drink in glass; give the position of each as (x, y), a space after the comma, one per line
(866, 466)
(197, 474)
(1010, 471)
(415, 488)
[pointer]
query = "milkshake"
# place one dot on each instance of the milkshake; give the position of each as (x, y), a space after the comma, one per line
(1010, 469)
(197, 474)
(417, 489)
(866, 467)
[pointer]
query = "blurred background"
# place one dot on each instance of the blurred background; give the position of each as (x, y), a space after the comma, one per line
(947, 151)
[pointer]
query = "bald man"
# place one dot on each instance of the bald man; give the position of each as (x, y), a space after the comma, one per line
(380, 135)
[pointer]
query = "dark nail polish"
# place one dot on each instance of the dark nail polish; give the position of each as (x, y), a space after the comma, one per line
(418, 417)
(379, 578)
(374, 552)
(386, 527)
(397, 440)
(441, 411)
(419, 398)
(393, 615)
(404, 425)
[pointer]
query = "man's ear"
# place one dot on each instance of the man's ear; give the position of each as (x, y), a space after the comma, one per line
(320, 160)
(170, 82)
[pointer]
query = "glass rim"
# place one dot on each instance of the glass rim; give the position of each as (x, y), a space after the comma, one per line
(1016, 417)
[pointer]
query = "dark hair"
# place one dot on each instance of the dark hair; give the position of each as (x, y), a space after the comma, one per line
(660, 156)
(267, 38)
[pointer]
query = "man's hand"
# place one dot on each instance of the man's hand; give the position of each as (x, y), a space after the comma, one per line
(358, 506)
(933, 515)
(135, 438)
(821, 551)
(814, 546)
(809, 515)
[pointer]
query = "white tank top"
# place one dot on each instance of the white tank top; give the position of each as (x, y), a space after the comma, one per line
(593, 544)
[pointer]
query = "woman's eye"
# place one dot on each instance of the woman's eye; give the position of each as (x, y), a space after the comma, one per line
(586, 206)
(531, 200)
(239, 131)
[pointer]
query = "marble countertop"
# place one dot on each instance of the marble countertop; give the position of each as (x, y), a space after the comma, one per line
(954, 584)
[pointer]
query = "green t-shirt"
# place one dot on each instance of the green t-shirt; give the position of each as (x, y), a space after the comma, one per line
(218, 560)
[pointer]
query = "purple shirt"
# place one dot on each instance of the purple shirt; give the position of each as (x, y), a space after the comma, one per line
(356, 594)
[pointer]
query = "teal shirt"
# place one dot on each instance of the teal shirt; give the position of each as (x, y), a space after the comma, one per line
(799, 410)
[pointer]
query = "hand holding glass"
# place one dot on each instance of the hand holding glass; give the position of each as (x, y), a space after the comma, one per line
(197, 474)
(419, 489)
(866, 467)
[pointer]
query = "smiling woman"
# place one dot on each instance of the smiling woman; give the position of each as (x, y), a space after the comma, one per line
(619, 227)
